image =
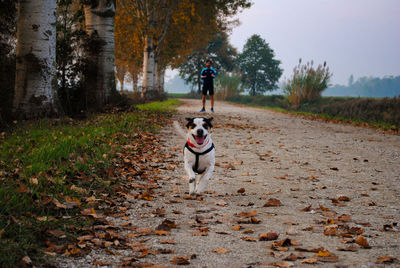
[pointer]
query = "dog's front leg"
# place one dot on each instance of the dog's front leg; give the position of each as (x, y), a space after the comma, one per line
(202, 182)
(192, 177)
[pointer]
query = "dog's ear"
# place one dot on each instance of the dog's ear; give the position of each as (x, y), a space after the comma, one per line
(208, 121)
(189, 121)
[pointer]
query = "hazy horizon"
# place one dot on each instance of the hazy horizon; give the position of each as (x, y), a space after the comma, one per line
(359, 37)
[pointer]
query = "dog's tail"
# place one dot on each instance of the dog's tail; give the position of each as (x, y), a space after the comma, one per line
(179, 129)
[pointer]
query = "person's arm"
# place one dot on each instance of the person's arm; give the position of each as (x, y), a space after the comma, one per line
(214, 73)
(202, 75)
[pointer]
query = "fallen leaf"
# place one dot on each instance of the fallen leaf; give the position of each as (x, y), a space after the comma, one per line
(249, 239)
(57, 233)
(362, 242)
(221, 250)
(162, 232)
(237, 228)
(331, 231)
(349, 248)
(248, 214)
(330, 258)
(172, 242)
(254, 220)
(241, 190)
(282, 264)
(323, 253)
(307, 209)
(291, 257)
(272, 202)
(344, 198)
(268, 236)
(26, 260)
(387, 259)
(180, 260)
(310, 261)
(101, 263)
(323, 208)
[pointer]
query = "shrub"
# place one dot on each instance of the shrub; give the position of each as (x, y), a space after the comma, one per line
(307, 83)
(228, 86)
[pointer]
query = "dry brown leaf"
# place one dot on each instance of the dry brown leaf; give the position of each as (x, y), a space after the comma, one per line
(168, 241)
(268, 236)
(387, 259)
(323, 208)
(162, 232)
(221, 250)
(241, 190)
(254, 220)
(322, 253)
(272, 202)
(247, 214)
(344, 218)
(101, 263)
(362, 242)
(310, 261)
(180, 260)
(291, 257)
(332, 231)
(349, 248)
(237, 228)
(331, 258)
(249, 239)
(307, 209)
(283, 264)
(344, 198)
(57, 233)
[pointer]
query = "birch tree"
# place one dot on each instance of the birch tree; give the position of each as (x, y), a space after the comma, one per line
(35, 78)
(99, 21)
(152, 18)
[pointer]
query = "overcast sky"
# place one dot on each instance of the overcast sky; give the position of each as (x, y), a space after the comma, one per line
(359, 37)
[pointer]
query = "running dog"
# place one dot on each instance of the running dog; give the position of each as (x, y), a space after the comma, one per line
(199, 152)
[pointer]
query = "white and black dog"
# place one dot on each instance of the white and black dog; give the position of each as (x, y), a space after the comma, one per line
(199, 152)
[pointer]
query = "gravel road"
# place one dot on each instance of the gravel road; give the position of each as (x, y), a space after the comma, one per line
(325, 189)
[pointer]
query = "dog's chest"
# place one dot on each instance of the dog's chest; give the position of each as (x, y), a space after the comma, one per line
(199, 163)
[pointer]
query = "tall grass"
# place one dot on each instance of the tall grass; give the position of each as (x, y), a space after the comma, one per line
(228, 86)
(307, 83)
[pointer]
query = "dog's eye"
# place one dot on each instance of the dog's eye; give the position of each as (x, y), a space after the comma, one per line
(205, 125)
(193, 125)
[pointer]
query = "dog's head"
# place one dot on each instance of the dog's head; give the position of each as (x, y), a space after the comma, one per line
(199, 129)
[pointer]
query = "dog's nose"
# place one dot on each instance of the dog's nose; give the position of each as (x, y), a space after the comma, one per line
(199, 132)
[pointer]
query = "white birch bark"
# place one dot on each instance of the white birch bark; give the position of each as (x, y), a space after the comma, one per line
(99, 19)
(148, 67)
(160, 80)
(35, 80)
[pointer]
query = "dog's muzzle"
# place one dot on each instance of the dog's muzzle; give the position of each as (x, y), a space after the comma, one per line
(200, 137)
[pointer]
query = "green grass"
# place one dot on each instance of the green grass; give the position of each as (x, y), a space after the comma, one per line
(41, 160)
(161, 106)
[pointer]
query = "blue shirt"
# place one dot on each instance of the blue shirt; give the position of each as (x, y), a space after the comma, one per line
(209, 74)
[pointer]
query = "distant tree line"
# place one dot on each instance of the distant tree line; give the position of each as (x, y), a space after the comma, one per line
(388, 86)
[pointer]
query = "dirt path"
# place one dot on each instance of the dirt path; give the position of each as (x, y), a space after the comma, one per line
(348, 175)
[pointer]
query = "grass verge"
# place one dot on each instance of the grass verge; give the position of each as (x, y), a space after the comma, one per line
(383, 113)
(54, 174)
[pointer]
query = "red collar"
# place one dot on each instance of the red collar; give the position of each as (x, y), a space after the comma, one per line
(194, 146)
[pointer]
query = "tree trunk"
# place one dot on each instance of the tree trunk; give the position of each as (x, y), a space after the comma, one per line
(122, 81)
(35, 79)
(160, 81)
(99, 20)
(148, 66)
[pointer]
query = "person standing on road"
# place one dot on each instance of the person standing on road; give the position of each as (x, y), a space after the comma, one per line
(207, 75)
